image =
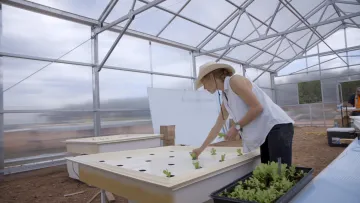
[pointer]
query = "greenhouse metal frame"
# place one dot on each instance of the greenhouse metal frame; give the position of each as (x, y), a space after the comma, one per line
(266, 38)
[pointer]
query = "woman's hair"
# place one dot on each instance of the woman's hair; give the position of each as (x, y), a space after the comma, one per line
(221, 74)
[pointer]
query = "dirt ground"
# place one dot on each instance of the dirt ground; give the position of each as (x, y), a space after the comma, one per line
(49, 185)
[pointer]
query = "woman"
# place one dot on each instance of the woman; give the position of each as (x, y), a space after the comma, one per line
(259, 120)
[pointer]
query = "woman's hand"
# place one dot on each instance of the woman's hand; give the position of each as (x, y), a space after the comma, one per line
(232, 133)
(197, 152)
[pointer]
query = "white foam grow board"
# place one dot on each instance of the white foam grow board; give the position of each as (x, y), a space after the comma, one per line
(138, 174)
(112, 143)
(93, 145)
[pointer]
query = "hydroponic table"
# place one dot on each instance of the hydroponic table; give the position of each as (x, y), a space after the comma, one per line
(338, 182)
(138, 174)
(112, 143)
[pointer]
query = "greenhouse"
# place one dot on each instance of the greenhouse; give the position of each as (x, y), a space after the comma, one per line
(91, 77)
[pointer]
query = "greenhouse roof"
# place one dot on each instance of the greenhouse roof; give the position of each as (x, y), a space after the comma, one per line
(263, 34)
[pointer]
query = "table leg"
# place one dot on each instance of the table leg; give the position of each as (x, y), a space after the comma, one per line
(103, 197)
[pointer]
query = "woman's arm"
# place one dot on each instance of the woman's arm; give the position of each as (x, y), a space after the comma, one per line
(217, 127)
(243, 88)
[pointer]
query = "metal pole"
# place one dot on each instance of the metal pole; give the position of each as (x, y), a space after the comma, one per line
(103, 197)
(282, 33)
(273, 86)
(151, 65)
(107, 11)
(131, 18)
(128, 17)
(310, 112)
(2, 156)
(322, 91)
(95, 83)
(347, 53)
(193, 60)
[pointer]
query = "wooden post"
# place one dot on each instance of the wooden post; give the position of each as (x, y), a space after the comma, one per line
(168, 135)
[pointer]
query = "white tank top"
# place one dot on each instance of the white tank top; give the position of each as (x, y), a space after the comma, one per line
(254, 133)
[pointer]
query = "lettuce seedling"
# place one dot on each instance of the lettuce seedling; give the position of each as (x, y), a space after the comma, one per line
(222, 158)
(197, 165)
(221, 135)
(213, 151)
(167, 173)
(193, 155)
(239, 152)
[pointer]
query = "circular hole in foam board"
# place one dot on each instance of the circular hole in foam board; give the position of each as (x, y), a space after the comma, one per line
(148, 160)
(142, 170)
(171, 151)
(119, 165)
(172, 176)
(102, 161)
(152, 154)
(171, 164)
(171, 156)
(129, 157)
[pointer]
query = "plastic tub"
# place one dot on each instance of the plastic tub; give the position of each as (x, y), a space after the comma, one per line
(283, 199)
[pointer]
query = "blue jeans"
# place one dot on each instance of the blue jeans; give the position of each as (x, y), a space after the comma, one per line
(278, 143)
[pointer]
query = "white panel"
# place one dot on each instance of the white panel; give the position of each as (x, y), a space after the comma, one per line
(305, 6)
(284, 19)
(212, 12)
(293, 67)
(263, 58)
(167, 59)
(262, 9)
(335, 41)
(287, 94)
(243, 52)
(185, 32)
(174, 107)
(219, 40)
(334, 73)
(349, 8)
(353, 37)
(172, 5)
(332, 61)
(243, 29)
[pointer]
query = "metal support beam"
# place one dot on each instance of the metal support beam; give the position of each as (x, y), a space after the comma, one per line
(296, 24)
(252, 23)
(349, 2)
(193, 63)
(45, 10)
(107, 11)
(131, 18)
(223, 25)
(90, 65)
(95, 83)
(313, 45)
(2, 165)
(272, 18)
(282, 33)
(301, 18)
(167, 24)
(128, 17)
(338, 10)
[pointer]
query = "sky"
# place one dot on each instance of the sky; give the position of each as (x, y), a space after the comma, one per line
(58, 85)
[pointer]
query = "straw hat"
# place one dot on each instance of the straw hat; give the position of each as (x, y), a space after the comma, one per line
(210, 67)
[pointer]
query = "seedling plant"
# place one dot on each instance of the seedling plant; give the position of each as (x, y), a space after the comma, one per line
(239, 152)
(197, 165)
(222, 158)
(213, 151)
(193, 155)
(267, 183)
(167, 173)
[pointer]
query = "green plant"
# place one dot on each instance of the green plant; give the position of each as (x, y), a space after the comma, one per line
(213, 151)
(222, 158)
(197, 165)
(239, 152)
(266, 184)
(221, 135)
(167, 173)
(193, 155)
